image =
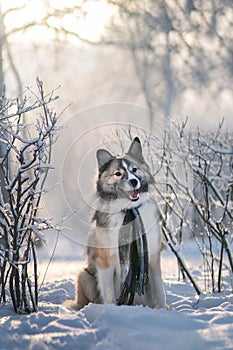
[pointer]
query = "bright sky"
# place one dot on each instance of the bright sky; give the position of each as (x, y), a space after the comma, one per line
(91, 27)
(98, 15)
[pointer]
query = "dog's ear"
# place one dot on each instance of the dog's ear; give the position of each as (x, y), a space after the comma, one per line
(103, 157)
(135, 150)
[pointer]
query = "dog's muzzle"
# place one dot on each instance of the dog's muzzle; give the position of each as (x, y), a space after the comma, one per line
(134, 193)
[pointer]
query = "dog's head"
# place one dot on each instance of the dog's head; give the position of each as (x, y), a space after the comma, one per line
(124, 178)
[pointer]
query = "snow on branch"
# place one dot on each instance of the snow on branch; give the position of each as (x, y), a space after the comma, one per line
(26, 151)
(193, 173)
(197, 197)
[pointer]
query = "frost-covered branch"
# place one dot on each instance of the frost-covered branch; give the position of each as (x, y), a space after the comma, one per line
(193, 174)
(28, 152)
(198, 177)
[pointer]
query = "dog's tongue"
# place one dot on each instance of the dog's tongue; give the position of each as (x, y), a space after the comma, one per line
(134, 195)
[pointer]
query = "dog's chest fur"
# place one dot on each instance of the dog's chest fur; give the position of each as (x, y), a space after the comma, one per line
(108, 223)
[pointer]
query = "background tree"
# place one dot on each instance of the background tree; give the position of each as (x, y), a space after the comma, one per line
(51, 19)
(178, 49)
(176, 46)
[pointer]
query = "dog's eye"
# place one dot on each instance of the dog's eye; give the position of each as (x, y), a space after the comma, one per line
(117, 173)
(134, 170)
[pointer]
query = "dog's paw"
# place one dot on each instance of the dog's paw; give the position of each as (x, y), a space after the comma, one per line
(72, 304)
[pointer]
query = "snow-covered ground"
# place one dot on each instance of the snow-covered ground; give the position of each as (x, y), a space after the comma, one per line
(193, 323)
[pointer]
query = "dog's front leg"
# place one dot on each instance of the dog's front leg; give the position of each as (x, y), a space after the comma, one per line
(156, 283)
(106, 284)
(106, 270)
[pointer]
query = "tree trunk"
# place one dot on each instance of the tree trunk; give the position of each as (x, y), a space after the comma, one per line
(2, 38)
(169, 83)
(3, 146)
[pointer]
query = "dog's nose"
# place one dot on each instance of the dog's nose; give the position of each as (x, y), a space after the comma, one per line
(133, 182)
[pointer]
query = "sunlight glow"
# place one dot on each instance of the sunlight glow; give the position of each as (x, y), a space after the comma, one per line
(98, 15)
(90, 26)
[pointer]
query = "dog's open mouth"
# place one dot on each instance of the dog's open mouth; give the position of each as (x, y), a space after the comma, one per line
(133, 195)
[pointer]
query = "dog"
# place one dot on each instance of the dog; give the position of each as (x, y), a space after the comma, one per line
(126, 213)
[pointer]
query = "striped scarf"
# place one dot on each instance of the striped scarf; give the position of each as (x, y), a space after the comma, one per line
(133, 254)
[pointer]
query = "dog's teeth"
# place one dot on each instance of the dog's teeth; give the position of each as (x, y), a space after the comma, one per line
(133, 195)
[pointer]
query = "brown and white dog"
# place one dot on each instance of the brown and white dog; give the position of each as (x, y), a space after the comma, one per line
(123, 186)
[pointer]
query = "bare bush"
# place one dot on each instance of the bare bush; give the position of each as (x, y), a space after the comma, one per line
(24, 165)
(194, 190)
(197, 196)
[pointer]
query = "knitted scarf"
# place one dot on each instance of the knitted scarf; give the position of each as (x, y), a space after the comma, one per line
(133, 254)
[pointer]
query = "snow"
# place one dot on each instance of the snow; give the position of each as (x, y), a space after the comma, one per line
(193, 323)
